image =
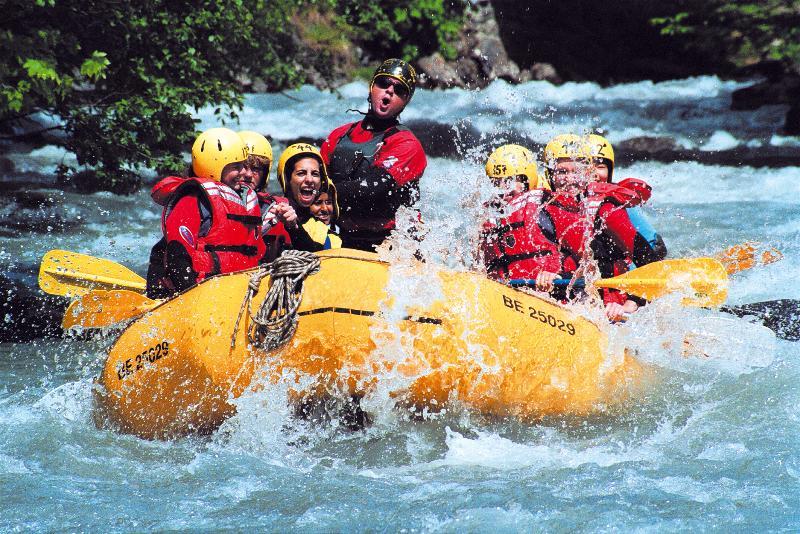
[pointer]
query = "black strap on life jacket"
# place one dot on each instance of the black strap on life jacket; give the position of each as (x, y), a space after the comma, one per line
(247, 220)
(503, 229)
(246, 250)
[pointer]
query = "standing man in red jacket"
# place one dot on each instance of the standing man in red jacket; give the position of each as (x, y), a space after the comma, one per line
(376, 163)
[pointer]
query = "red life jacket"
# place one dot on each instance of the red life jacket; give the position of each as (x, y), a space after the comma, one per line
(634, 193)
(516, 245)
(579, 220)
(234, 236)
(572, 229)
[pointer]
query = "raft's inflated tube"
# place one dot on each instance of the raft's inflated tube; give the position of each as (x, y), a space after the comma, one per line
(495, 349)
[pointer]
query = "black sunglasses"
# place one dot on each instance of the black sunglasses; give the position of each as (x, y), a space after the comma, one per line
(384, 82)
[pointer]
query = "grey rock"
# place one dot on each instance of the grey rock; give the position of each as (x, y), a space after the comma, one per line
(470, 73)
(259, 86)
(436, 72)
(480, 41)
(648, 144)
(6, 166)
(780, 90)
(792, 124)
(494, 61)
(545, 72)
(444, 140)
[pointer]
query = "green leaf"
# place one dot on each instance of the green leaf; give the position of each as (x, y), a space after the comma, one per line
(96, 66)
(40, 69)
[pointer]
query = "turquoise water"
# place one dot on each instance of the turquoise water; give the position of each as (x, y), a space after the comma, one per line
(710, 444)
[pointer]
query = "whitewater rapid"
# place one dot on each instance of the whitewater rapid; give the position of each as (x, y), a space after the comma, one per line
(707, 447)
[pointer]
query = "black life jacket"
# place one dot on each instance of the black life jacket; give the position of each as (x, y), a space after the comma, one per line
(350, 160)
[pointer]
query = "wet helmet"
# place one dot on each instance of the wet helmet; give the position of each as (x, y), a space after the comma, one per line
(511, 161)
(214, 149)
(292, 154)
(600, 147)
(400, 70)
(257, 145)
(569, 146)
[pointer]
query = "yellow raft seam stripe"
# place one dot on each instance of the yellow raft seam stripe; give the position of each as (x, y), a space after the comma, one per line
(353, 311)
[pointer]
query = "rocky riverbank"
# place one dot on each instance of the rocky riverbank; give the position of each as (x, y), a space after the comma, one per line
(569, 40)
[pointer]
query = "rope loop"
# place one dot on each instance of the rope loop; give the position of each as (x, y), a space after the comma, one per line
(276, 320)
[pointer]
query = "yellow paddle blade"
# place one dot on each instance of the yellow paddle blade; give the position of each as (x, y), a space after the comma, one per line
(747, 255)
(703, 280)
(100, 309)
(74, 274)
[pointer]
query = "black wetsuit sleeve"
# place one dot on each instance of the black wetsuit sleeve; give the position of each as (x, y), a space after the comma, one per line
(648, 251)
(180, 269)
(644, 252)
(375, 192)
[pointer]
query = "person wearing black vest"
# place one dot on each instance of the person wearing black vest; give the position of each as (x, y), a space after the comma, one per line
(376, 163)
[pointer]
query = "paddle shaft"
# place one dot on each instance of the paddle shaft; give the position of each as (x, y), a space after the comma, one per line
(94, 280)
(703, 281)
(531, 282)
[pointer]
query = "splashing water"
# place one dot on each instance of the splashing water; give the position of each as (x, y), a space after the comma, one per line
(710, 443)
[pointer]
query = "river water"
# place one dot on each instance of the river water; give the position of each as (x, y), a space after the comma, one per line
(711, 444)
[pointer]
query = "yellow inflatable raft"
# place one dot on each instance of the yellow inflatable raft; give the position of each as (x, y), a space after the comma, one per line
(497, 350)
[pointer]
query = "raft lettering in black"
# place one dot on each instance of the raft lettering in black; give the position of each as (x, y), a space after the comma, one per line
(136, 363)
(539, 315)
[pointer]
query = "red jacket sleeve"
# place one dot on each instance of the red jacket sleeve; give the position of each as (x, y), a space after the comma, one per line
(164, 189)
(183, 226)
(402, 157)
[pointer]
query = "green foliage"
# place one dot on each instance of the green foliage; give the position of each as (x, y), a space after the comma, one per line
(743, 32)
(95, 67)
(407, 28)
(123, 78)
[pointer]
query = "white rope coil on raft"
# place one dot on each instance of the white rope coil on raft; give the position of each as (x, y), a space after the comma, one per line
(276, 320)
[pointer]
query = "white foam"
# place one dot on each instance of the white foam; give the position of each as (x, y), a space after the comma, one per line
(12, 466)
(697, 341)
(702, 492)
(43, 160)
(689, 182)
(779, 140)
(71, 401)
(497, 452)
(723, 452)
(720, 140)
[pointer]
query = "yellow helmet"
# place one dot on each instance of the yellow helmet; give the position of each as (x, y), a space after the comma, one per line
(564, 146)
(293, 152)
(513, 160)
(257, 145)
(600, 147)
(215, 148)
(570, 146)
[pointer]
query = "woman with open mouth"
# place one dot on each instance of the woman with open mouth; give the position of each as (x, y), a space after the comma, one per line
(303, 176)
